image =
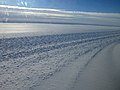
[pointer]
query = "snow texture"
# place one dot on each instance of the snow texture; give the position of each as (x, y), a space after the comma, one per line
(25, 62)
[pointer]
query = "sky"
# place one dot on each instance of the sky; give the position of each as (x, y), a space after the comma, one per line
(97, 13)
(110, 6)
(56, 16)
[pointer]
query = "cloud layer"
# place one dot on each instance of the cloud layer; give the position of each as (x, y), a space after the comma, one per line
(41, 15)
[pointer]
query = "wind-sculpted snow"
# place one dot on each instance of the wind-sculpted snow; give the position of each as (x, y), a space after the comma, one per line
(27, 61)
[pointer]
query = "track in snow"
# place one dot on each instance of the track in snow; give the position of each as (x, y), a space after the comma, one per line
(27, 61)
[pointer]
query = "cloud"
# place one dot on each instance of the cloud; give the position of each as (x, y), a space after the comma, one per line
(17, 14)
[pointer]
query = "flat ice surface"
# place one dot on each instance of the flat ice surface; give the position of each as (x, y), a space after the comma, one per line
(8, 30)
(103, 73)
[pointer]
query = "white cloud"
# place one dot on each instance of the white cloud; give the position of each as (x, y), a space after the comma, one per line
(24, 14)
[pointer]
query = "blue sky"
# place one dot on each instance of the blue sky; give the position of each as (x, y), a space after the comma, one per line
(73, 5)
(78, 14)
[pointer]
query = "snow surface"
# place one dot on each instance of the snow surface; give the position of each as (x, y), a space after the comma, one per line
(103, 73)
(29, 63)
